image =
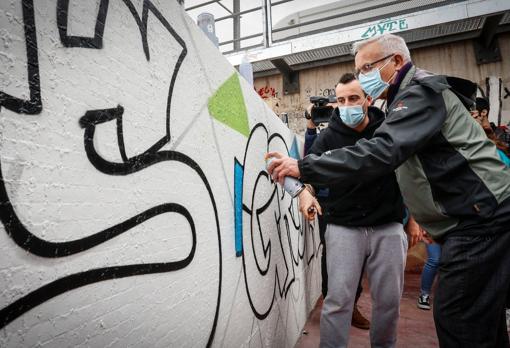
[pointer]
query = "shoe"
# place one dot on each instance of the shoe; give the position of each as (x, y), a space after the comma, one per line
(424, 302)
(358, 320)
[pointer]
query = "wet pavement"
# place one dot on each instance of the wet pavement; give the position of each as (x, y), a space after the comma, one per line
(415, 328)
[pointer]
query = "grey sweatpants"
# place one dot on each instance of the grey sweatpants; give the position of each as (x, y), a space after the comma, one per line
(383, 251)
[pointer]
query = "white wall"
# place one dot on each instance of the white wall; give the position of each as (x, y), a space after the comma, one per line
(126, 150)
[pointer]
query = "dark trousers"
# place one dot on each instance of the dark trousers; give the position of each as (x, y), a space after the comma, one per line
(473, 285)
(324, 271)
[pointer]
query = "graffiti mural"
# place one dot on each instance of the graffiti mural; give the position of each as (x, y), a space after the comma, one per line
(118, 201)
(385, 26)
(275, 238)
(267, 92)
(63, 246)
(321, 92)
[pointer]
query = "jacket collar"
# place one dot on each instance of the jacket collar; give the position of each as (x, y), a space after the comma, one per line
(403, 77)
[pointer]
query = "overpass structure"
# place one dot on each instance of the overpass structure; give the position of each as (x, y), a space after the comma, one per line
(323, 35)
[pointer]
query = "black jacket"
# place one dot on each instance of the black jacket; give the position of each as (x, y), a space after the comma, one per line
(371, 203)
(449, 173)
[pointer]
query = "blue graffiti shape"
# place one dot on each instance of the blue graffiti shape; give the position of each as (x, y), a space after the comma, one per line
(294, 151)
(238, 206)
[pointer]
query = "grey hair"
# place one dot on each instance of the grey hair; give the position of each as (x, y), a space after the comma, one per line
(389, 43)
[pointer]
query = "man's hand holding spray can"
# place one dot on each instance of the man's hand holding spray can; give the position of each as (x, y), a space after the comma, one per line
(294, 187)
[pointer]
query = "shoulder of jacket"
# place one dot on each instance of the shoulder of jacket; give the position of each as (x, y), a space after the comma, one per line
(436, 83)
(375, 111)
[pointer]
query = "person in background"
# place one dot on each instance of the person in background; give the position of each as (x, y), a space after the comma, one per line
(428, 274)
(481, 115)
(364, 228)
(358, 320)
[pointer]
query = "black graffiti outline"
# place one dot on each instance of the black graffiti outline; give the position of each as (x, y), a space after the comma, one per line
(260, 210)
(142, 161)
(80, 41)
(301, 232)
(295, 222)
(287, 284)
(77, 280)
(507, 93)
(33, 244)
(32, 106)
(142, 23)
(315, 247)
(266, 248)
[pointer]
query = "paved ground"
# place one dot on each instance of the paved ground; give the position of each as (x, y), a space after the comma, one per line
(416, 327)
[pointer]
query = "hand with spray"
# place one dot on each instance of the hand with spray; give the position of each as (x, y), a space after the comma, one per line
(308, 205)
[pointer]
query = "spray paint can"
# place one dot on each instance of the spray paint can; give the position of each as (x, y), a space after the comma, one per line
(290, 184)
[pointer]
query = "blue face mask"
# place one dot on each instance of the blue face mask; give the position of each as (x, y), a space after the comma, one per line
(372, 83)
(352, 116)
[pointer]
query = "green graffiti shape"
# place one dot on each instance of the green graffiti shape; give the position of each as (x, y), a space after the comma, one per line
(227, 106)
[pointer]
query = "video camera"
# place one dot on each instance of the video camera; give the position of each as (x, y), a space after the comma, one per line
(321, 112)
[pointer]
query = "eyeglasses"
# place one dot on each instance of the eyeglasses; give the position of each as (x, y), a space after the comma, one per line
(366, 68)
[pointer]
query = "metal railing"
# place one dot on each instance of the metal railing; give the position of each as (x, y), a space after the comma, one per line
(268, 30)
(236, 14)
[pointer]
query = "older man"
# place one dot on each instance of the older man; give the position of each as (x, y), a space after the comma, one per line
(450, 177)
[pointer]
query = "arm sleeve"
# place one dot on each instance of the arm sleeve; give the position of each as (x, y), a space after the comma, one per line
(319, 146)
(310, 136)
(413, 119)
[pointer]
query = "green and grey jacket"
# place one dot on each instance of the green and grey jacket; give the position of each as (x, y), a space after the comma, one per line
(449, 173)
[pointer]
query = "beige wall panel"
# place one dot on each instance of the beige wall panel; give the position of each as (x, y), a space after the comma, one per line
(456, 59)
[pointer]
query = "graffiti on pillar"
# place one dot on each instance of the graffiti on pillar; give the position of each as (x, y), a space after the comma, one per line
(227, 106)
(117, 190)
(271, 235)
(78, 41)
(107, 170)
(33, 105)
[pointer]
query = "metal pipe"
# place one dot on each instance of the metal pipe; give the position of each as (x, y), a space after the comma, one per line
(201, 5)
(239, 13)
(268, 23)
(225, 7)
(244, 48)
(237, 24)
(241, 39)
(279, 2)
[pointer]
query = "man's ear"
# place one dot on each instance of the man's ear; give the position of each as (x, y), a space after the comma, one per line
(369, 100)
(399, 61)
